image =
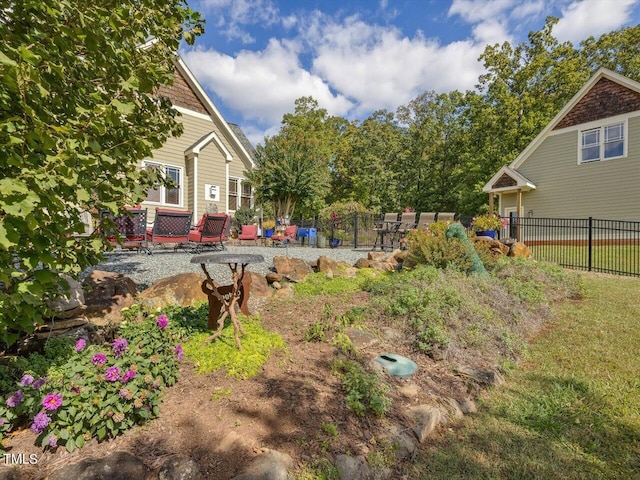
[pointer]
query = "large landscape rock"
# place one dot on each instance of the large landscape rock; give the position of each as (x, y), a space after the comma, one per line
(115, 466)
(71, 304)
(294, 269)
(519, 249)
(425, 419)
(326, 264)
(270, 465)
(259, 286)
(182, 289)
(106, 294)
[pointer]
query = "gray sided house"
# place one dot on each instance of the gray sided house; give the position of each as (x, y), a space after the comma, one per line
(584, 163)
(207, 161)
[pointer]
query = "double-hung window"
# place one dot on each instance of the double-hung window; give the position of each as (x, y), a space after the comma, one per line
(602, 143)
(245, 199)
(162, 195)
(239, 193)
(233, 194)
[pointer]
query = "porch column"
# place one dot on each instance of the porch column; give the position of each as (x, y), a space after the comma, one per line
(518, 231)
(490, 203)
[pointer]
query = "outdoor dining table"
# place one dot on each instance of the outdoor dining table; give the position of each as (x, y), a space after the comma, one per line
(386, 229)
(227, 296)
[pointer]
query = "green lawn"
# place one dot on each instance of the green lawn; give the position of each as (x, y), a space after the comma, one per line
(572, 409)
(607, 258)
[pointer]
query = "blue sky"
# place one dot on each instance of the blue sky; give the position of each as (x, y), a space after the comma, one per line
(354, 57)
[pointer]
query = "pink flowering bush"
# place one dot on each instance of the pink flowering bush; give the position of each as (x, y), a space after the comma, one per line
(99, 391)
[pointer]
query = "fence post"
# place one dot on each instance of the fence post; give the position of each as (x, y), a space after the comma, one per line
(355, 230)
(590, 243)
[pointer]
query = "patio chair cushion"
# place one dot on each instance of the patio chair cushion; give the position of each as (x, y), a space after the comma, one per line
(288, 234)
(249, 232)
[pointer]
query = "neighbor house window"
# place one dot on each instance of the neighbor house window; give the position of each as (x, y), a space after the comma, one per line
(602, 143)
(166, 195)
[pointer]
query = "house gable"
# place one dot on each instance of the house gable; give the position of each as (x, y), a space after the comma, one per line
(182, 95)
(504, 181)
(605, 99)
(615, 85)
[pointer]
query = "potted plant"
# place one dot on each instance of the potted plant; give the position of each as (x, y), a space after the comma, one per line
(243, 216)
(486, 225)
(338, 238)
(268, 226)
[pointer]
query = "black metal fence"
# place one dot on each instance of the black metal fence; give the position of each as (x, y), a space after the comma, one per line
(608, 246)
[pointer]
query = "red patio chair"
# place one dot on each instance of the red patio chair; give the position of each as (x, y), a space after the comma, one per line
(170, 226)
(210, 231)
(130, 228)
(249, 232)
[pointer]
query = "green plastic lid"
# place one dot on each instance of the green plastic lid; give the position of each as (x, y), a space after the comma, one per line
(397, 365)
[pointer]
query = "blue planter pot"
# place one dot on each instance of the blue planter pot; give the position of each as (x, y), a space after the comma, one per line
(335, 242)
(486, 233)
(268, 233)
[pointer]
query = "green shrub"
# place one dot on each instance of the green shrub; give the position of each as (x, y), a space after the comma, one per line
(344, 344)
(365, 392)
(243, 216)
(432, 247)
(101, 390)
(536, 282)
(316, 332)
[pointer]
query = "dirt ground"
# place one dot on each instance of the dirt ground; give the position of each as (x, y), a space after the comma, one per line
(222, 423)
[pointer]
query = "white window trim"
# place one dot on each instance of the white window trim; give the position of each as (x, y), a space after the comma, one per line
(180, 204)
(239, 196)
(601, 127)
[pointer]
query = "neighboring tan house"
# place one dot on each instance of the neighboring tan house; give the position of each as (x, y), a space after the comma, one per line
(207, 162)
(586, 161)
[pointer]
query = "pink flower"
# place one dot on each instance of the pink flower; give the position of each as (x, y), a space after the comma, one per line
(99, 359)
(119, 346)
(129, 374)
(40, 422)
(112, 374)
(52, 401)
(80, 344)
(15, 399)
(179, 352)
(163, 321)
(38, 383)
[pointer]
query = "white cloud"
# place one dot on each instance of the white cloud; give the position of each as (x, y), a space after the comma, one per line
(489, 32)
(377, 67)
(262, 85)
(584, 18)
(473, 11)
(528, 9)
(232, 16)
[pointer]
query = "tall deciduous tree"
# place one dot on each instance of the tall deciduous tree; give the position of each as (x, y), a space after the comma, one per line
(365, 166)
(292, 168)
(432, 175)
(78, 111)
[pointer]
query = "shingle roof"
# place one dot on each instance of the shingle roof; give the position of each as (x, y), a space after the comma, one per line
(242, 138)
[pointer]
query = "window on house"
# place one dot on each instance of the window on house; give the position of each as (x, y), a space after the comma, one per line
(164, 195)
(233, 194)
(594, 149)
(245, 199)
